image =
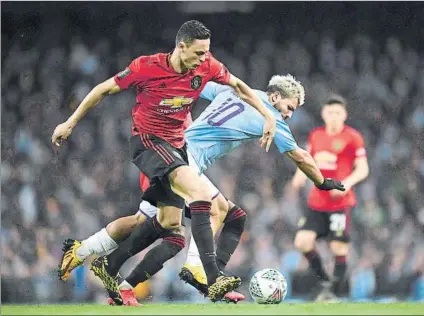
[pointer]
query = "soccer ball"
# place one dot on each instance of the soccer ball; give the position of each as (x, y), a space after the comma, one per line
(268, 286)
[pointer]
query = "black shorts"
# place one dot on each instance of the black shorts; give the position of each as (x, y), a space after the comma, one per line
(333, 225)
(156, 158)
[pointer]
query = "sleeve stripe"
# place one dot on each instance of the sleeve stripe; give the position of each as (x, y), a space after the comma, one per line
(360, 152)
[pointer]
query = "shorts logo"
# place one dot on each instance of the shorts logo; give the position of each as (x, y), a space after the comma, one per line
(124, 73)
(176, 102)
(196, 82)
(176, 154)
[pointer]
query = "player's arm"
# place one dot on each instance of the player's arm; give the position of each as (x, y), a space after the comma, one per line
(307, 165)
(286, 144)
(62, 131)
(135, 73)
(299, 180)
(249, 96)
(360, 172)
(360, 164)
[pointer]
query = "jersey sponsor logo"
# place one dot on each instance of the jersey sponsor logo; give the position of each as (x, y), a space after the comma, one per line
(326, 160)
(196, 82)
(124, 73)
(177, 102)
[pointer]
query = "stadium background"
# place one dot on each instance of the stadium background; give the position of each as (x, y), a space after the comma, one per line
(54, 53)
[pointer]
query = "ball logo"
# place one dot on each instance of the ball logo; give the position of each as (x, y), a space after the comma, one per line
(276, 297)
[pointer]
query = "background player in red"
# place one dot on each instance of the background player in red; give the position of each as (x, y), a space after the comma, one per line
(167, 86)
(339, 152)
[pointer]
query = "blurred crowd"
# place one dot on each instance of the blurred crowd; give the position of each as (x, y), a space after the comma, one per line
(47, 195)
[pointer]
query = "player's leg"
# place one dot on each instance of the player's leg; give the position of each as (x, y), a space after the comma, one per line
(339, 245)
(173, 242)
(229, 238)
(107, 267)
(192, 271)
(102, 242)
(168, 166)
(188, 184)
(311, 226)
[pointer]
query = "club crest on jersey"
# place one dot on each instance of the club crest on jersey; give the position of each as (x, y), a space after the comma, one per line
(196, 82)
(176, 102)
(124, 73)
(338, 145)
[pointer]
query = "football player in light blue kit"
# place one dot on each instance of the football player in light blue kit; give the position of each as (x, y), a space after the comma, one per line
(224, 125)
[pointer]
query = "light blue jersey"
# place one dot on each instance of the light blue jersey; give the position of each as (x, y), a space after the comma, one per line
(228, 122)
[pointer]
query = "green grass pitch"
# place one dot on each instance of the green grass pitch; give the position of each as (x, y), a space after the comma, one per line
(221, 309)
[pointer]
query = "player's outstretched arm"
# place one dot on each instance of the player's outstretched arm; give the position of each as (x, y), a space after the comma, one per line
(307, 164)
(360, 173)
(248, 95)
(64, 130)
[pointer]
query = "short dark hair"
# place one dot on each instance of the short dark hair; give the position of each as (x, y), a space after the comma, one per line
(336, 99)
(192, 30)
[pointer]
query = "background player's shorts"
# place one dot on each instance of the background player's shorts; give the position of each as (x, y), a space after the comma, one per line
(156, 158)
(333, 225)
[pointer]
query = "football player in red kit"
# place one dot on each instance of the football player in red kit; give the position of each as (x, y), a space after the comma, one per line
(167, 85)
(339, 152)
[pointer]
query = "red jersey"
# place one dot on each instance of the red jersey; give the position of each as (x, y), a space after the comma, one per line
(144, 181)
(335, 156)
(165, 97)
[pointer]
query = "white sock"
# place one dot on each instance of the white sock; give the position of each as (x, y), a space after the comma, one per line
(193, 257)
(125, 286)
(98, 244)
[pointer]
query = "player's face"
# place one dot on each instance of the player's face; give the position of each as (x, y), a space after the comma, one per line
(192, 55)
(334, 115)
(286, 106)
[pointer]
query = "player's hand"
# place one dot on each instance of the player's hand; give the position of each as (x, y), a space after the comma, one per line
(335, 194)
(268, 132)
(61, 132)
(331, 184)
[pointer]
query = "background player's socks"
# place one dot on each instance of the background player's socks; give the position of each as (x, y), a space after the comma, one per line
(100, 243)
(339, 272)
(193, 257)
(316, 265)
(230, 236)
(142, 237)
(202, 234)
(153, 260)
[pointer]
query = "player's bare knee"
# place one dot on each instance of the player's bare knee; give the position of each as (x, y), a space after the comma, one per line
(201, 193)
(179, 230)
(170, 223)
(305, 241)
(140, 218)
(188, 184)
(223, 205)
(339, 248)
